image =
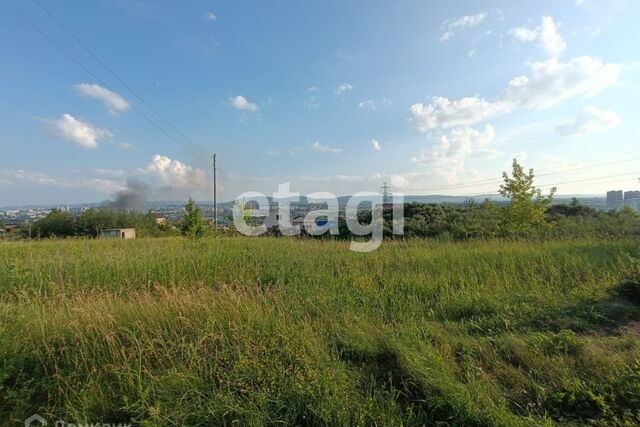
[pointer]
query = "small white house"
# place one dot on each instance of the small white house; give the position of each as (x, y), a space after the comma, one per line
(118, 233)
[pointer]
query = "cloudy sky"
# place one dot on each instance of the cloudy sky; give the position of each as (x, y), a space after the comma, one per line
(433, 97)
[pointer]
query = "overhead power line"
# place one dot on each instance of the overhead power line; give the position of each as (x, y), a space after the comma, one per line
(538, 175)
(599, 178)
(197, 151)
(114, 74)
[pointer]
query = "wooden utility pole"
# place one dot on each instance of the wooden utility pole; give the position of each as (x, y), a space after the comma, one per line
(215, 196)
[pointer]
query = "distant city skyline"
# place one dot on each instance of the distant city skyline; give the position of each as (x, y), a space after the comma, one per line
(432, 97)
(617, 199)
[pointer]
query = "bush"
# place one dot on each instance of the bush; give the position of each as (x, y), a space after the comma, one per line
(57, 223)
(92, 221)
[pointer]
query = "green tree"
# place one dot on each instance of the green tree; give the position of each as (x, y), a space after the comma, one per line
(480, 220)
(526, 212)
(193, 224)
(57, 223)
(92, 221)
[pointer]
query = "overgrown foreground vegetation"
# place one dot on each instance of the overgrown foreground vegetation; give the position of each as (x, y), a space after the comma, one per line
(175, 331)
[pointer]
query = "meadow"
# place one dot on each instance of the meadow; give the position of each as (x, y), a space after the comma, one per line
(266, 331)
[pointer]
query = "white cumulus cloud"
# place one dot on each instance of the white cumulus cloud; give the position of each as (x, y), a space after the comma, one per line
(468, 20)
(446, 36)
(523, 34)
(316, 146)
(442, 112)
(114, 102)
(241, 103)
(448, 155)
(210, 16)
(368, 105)
(461, 22)
(343, 87)
(590, 120)
(546, 34)
(547, 84)
(376, 145)
(77, 131)
(22, 178)
(175, 174)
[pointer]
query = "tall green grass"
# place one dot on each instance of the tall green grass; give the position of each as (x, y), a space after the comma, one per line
(285, 331)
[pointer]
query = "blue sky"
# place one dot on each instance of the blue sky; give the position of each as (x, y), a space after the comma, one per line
(433, 97)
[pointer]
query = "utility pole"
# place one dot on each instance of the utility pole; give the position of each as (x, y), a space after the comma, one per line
(215, 196)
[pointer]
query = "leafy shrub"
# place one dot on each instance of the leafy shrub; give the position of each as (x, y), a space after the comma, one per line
(577, 403)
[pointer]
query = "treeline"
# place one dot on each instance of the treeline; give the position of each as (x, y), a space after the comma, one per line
(487, 221)
(91, 222)
(529, 214)
(472, 220)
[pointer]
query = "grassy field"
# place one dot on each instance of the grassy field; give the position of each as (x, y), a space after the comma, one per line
(285, 331)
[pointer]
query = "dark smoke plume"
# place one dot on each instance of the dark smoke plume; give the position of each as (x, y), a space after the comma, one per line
(134, 196)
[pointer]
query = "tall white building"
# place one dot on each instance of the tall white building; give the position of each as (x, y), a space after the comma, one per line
(615, 199)
(632, 199)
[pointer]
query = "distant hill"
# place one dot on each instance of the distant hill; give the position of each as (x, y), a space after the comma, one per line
(595, 201)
